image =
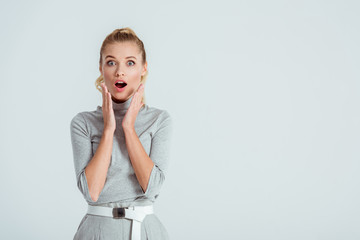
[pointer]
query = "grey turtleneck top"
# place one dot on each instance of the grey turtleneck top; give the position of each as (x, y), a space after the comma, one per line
(122, 189)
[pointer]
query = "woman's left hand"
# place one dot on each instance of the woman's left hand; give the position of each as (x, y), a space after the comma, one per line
(135, 105)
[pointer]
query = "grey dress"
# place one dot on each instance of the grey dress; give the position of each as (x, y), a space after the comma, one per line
(122, 189)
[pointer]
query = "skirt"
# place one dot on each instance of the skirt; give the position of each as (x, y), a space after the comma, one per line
(93, 227)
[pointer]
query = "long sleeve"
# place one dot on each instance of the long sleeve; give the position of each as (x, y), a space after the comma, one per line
(82, 152)
(160, 154)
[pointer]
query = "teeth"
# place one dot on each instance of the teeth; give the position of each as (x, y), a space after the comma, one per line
(120, 84)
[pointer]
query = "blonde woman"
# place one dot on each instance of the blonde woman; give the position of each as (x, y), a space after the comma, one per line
(121, 150)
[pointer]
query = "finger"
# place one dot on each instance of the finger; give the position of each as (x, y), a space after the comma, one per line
(105, 97)
(110, 102)
(138, 96)
(142, 87)
(141, 91)
(106, 90)
(138, 88)
(108, 98)
(103, 93)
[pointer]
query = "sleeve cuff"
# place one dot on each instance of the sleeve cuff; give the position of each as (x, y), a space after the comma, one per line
(149, 186)
(83, 186)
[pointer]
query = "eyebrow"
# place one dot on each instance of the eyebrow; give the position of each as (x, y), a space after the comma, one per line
(115, 57)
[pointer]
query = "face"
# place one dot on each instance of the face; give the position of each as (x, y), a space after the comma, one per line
(122, 61)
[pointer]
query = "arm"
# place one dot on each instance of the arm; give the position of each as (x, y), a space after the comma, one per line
(90, 170)
(150, 170)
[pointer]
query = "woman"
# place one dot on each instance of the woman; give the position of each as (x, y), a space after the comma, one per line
(121, 150)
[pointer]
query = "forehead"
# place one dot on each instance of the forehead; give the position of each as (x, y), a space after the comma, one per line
(122, 50)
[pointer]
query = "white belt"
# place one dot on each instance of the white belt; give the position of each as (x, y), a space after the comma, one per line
(135, 213)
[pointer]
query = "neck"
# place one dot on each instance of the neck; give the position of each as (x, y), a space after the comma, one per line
(124, 105)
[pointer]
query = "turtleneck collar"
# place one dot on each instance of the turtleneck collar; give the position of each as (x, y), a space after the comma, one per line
(122, 106)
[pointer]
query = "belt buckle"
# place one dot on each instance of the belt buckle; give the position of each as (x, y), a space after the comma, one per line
(118, 212)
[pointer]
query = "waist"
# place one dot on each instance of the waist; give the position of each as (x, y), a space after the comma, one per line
(137, 213)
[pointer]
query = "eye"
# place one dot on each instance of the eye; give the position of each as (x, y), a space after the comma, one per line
(132, 62)
(110, 61)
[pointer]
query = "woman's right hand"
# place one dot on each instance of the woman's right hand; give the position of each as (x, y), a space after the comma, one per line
(107, 109)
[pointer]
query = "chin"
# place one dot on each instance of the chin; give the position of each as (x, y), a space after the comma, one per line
(116, 99)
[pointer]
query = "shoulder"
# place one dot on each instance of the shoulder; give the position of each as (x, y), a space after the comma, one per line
(78, 123)
(158, 114)
(87, 116)
(161, 118)
(78, 118)
(84, 117)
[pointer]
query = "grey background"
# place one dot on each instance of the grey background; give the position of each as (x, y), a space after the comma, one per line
(264, 96)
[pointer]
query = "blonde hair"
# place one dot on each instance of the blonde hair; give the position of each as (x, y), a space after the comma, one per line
(122, 35)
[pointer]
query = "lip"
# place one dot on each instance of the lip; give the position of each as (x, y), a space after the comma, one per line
(120, 80)
(119, 89)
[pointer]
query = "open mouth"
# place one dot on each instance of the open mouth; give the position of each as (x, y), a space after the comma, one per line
(120, 84)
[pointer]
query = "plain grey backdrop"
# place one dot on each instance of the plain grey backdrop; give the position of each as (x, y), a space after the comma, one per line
(265, 101)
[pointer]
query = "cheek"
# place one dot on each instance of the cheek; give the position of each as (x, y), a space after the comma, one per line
(108, 77)
(107, 73)
(135, 75)
(108, 86)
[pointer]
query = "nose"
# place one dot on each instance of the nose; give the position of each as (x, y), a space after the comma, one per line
(120, 72)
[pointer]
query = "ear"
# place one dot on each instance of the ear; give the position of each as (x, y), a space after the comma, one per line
(144, 69)
(100, 70)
